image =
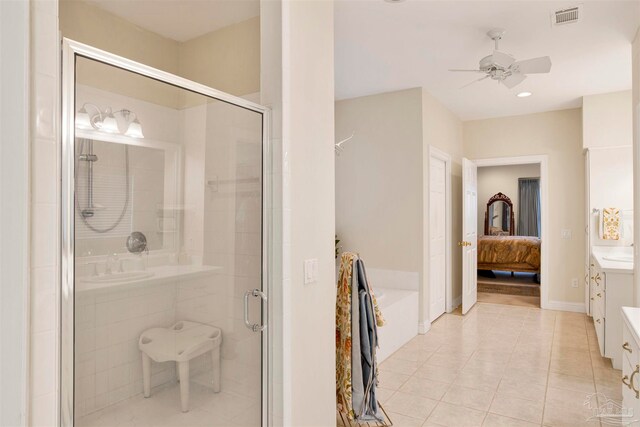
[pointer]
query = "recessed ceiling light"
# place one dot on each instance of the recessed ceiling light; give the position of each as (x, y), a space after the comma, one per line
(524, 94)
(394, 1)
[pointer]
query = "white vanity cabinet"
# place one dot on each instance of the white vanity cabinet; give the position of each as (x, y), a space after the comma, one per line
(630, 347)
(612, 288)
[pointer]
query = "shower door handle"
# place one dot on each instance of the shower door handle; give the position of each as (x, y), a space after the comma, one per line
(255, 327)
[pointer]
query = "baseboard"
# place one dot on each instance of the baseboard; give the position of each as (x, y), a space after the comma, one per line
(423, 327)
(576, 307)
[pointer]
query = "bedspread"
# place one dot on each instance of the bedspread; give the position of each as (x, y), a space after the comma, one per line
(509, 253)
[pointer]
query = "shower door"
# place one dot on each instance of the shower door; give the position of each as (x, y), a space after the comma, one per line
(164, 287)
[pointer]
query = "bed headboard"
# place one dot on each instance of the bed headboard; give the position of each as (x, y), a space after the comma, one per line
(500, 199)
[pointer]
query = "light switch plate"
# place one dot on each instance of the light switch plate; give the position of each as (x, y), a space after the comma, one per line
(310, 271)
(565, 234)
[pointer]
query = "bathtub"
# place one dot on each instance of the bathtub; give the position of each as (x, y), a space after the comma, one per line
(397, 296)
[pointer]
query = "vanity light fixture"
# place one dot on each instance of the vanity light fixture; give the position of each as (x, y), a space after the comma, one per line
(524, 94)
(105, 121)
(109, 124)
(83, 121)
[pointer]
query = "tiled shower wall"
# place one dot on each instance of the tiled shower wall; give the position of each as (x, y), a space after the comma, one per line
(45, 208)
(227, 234)
(108, 325)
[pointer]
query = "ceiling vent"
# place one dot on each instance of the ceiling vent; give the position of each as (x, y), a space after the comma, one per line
(566, 16)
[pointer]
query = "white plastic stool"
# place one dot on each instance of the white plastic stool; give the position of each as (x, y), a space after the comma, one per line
(180, 343)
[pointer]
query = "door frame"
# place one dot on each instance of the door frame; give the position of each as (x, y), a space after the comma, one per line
(70, 50)
(425, 321)
(543, 161)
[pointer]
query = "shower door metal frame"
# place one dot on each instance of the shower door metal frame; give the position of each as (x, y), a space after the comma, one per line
(70, 51)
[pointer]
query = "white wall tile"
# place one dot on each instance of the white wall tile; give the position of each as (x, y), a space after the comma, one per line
(43, 410)
(44, 363)
(44, 220)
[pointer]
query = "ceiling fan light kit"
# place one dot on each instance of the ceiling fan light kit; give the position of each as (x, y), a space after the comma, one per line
(504, 68)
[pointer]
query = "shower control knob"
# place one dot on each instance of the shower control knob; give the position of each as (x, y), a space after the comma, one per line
(137, 243)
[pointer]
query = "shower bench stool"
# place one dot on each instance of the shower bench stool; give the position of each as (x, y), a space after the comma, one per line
(180, 343)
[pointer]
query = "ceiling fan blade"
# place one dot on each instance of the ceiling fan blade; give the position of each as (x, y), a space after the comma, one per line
(502, 59)
(475, 81)
(533, 66)
(467, 71)
(513, 80)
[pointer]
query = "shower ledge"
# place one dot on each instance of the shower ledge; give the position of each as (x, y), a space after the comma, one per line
(159, 275)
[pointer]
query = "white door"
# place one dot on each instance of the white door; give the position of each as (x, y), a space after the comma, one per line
(437, 237)
(469, 242)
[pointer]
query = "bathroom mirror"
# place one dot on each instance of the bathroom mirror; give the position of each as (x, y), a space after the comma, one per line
(124, 185)
(499, 216)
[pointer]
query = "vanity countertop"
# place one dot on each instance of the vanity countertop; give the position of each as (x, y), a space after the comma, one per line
(631, 316)
(605, 256)
(157, 275)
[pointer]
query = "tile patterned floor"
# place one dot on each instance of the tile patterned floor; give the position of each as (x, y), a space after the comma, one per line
(499, 365)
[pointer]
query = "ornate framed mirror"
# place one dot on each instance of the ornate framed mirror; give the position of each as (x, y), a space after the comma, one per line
(499, 218)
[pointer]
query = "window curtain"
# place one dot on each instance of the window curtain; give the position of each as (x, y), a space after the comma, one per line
(529, 207)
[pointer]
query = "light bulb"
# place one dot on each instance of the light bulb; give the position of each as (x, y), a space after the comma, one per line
(134, 130)
(83, 121)
(109, 124)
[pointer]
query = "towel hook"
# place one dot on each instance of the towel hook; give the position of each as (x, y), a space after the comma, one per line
(338, 145)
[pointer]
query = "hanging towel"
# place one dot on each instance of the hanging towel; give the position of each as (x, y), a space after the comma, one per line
(354, 388)
(344, 389)
(357, 381)
(610, 224)
(369, 411)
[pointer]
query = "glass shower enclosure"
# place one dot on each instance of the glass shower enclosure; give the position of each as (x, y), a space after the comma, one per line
(164, 277)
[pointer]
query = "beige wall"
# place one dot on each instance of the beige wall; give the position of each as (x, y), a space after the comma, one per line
(227, 59)
(607, 119)
(557, 134)
(379, 179)
(382, 180)
(503, 179)
(88, 24)
(443, 129)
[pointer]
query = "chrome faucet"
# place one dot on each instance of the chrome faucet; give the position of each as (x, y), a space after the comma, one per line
(113, 260)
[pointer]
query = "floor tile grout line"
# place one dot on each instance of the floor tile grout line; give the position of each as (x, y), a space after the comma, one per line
(546, 387)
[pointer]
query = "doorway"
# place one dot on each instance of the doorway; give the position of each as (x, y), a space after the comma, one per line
(164, 284)
(511, 222)
(439, 229)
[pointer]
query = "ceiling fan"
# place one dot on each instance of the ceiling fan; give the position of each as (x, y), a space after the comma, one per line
(504, 68)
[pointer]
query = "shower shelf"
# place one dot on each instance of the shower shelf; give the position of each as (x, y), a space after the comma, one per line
(161, 274)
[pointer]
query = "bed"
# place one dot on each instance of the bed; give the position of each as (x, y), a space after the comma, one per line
(509, 253)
